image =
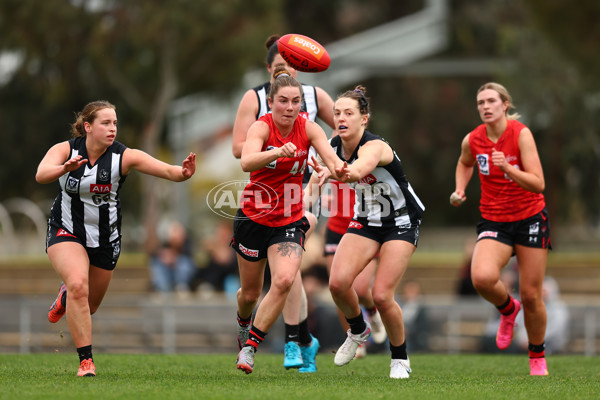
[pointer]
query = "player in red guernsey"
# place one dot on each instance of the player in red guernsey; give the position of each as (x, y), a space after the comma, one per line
(300, 347)
(270, 223)
(514, 219)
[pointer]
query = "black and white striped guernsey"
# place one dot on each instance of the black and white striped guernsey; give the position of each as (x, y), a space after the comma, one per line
(384, 197)
(88, 205)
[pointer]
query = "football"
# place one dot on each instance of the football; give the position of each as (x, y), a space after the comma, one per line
(303, 53)
(456, 199)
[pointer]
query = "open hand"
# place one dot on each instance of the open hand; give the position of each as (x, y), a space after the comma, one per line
(322, 173)
(74, 163)
(342, 173)
(188, 167)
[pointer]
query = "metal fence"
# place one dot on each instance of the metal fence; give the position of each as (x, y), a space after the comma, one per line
(141, 324)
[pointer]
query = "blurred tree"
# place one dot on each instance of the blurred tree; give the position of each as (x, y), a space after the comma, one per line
(573, 29)
(557, 86)
(331, 20)
(139, 55)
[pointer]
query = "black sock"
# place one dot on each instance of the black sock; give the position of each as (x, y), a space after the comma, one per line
(85, 353)
(537, 350)
(304, 335)
(399, 352)
(244, 321)
(357, 324)
(292, 333)
(255, 338)
(508, 307)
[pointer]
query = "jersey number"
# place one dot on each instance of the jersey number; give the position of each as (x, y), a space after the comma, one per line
(294, 169)
(99, 198)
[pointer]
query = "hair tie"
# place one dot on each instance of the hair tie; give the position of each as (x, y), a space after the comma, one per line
(282, 74)
(359, 92)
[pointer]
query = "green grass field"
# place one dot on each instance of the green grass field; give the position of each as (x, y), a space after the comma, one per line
(52, 376)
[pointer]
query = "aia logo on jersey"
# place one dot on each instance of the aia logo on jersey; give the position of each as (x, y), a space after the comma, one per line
(95, 188)
(301, 153)
(62, 232)
(355, 225)
(368, 180)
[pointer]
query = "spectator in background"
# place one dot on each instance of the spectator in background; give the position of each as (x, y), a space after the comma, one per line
(321, 310)
(557, 330)
(465, 284)
(416, 320)
(172, 266)
(220, 273)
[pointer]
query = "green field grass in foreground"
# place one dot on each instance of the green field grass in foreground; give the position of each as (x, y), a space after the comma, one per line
(52, 376)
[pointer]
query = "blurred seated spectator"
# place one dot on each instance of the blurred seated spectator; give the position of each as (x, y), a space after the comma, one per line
(465, 284)
(557, 320)
(323, 321)
(220, 272)
(172, 267)
(416, 319)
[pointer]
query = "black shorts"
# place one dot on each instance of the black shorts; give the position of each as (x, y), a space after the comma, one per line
(530, 232)
(384, 234)
(251, 240)
(332, 240)
(104, 257)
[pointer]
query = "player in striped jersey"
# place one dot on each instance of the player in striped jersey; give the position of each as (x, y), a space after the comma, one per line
(84, 229)
(387, 217)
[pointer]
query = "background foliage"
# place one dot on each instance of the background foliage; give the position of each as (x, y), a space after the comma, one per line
(143, 55)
